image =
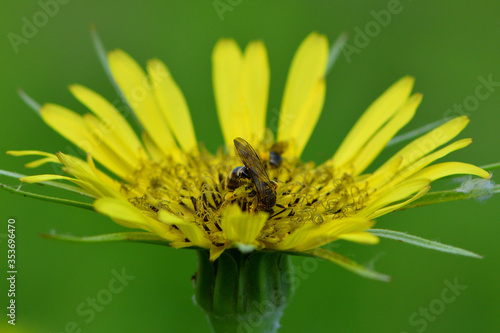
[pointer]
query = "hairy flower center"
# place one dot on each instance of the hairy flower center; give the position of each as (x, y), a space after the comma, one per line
(196, 188)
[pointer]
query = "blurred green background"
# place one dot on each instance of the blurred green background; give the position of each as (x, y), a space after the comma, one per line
(447, 45)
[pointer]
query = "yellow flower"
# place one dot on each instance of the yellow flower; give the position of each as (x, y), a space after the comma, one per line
(166, 184)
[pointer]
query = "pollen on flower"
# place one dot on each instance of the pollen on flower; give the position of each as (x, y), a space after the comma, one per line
(262, 196)
(195, 189)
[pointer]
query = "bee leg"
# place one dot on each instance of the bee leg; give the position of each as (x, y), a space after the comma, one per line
(254, 205)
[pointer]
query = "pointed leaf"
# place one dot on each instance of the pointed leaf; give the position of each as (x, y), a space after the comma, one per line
(422, 242)
(34, 105)
(417, 132)
(491, 167)
(348, 264)
(103, 59)
(135, 237)
(335, 51)
(47, 198)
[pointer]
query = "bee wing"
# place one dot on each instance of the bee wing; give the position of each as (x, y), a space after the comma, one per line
(253, 164)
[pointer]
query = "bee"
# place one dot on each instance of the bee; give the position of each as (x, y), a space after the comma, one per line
(275, 158)
(254, 170)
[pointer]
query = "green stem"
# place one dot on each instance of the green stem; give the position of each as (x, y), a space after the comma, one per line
(244, 292)
(255, 323)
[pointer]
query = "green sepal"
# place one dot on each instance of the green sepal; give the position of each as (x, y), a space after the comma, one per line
(244, 291)
(267, 277)
(204, 282)
(225, 297)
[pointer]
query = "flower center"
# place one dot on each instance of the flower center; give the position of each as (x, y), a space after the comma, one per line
(196, 189)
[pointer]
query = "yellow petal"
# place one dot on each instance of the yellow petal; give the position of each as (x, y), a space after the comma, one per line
(226, 66)
(72, 126)
(394, 194)
(383, 175)
(307, 69)
(30, 153)
(422, 163)
(307, 118)
(428, 142)
(172, 104)
(242, 227)
(42, 161)
(95, 181)
(108, 114)
(360, 237)
(379, 141)
(153, 151)
(127, 215)
(451, 168)
(180, 244)
(93, 191)
(328, 233)
(49, 158)
(106, 136)
(254, 84)
(43, 178)
(190, 230)
(69, 124)
(136, 88)
(241, 84)
(373, 119)
(311, 236)
(388, 209)
(215, 252)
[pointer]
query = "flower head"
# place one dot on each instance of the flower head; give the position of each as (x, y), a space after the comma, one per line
(256, 194)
